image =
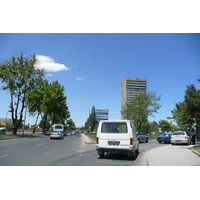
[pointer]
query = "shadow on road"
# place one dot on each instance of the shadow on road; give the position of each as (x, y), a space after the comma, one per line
(120, 156)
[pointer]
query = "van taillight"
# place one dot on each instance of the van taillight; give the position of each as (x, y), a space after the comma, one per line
(97, 140)
(131, 141)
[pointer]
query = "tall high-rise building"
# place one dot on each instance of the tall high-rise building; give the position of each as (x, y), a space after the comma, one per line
(131, 88)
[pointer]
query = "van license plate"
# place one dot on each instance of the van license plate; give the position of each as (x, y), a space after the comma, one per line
(114, 143)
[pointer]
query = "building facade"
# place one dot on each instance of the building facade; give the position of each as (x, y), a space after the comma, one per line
(131, 88)
(172, 121)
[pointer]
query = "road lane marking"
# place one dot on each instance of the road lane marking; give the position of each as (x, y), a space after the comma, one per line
(7, 143)
(3, 156)
(41, 144)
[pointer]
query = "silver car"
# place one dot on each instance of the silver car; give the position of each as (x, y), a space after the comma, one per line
(142, 137)
(57, 134)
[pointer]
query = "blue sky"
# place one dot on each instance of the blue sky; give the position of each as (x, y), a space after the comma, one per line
(91, 66)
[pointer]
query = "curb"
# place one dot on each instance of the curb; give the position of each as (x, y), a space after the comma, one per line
(195, 152)
(88, 140)
(7, 138)
(142, 159)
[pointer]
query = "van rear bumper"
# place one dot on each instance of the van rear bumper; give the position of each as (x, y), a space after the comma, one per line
(115, 150)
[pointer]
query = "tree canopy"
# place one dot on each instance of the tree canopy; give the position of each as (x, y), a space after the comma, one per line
(187, 113)
(140, 108)
(28, 89)
(19, 76)
(49, 101)
(91, 122)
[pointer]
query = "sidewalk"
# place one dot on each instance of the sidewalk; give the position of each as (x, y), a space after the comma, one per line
(166, 155)
(170, 155)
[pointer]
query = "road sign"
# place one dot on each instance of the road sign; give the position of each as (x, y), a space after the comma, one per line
(102, 114)
(98, 119)
(102, 110)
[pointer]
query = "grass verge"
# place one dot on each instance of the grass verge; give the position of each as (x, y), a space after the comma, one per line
(22, 135)
(196, 148)
(92, 136)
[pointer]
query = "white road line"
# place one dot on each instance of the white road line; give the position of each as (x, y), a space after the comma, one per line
(6, 144)
(3, 156)
(41, 144)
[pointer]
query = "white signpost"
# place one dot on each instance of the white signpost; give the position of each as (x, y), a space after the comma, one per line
(102, 114)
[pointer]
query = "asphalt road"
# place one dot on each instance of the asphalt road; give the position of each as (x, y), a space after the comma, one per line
(71, 151)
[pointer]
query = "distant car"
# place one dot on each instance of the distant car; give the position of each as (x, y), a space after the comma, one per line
(57, 134)
(2, 131)
(78, 133)
(65, 133)
(180, 137)
(165, 137)
(142, 137)
(73, 133)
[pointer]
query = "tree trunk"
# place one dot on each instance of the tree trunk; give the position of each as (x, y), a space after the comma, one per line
(198, 132)
(14, 131)
(36, 123)
(33, 130)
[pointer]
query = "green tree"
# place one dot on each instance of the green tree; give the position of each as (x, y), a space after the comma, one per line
(182, 116)
(35, 100)
(49, 101)
(192, 100)
(71, 124)
(164, 125)
(187, 113)
(146, 127)
(19, 76)
(8, 125)
(45, 124)
(91, 122)
(140, 108)
(153, 127)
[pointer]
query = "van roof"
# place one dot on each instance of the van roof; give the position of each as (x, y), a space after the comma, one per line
(114, 120)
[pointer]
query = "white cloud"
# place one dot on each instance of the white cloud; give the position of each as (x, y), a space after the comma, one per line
(48, 64)
(78, 79)
(48, 75)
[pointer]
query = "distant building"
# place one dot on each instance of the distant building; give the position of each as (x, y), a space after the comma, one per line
(131, 88)
(2, 120)
(172, 120)
(5, 119)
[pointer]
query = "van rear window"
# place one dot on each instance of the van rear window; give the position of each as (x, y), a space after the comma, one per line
(58, 127)
(114, 127)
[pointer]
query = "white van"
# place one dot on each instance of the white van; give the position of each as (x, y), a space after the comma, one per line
(117, 136)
